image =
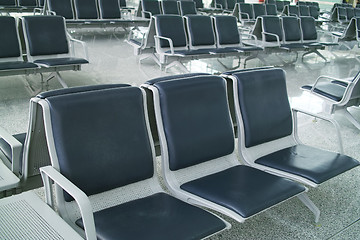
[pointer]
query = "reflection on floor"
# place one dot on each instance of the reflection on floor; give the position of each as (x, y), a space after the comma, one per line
(112, 61)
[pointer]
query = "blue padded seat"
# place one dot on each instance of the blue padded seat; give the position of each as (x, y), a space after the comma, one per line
(256, 89)
(8, 3)
(291, 27)
(51, 62)
(201, 31)
(309, 33)
(86, 9)
(198, 128)
(70, 138)
(16, 65)
(5, 147)
(254, 105)
(330, 90)
(158, 216)
(171, 26)
(151, 6)
(119, 138)
(9, 46)
(304, 11)
(271, 9)
(271, 24)
(243, 189)
(279, 5)
(246, 11)
(109, 9)
(312, 163)
(170, 7)
(199, 3)
(28, 3)
(62, 8)
(187, 7)
(259, 10)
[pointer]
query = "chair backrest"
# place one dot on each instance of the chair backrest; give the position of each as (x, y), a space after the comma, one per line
(271, 9)
(171, 26)
(86, 9)
(62, 8)
(350, 13)
(28, 3)
(246, 11)
(200, 31)
(259, 10)
(342, 14)
(152, 7)
(221, 4)
(227, 33)
(109, 9)
(170, 7)
(300, 3)
(279, 5)
(291, 29)
(10, 42)
(8, 3)
(187, 7)
(270, 2)
(45, 36)
(122, 3)
(88, 150)
(199, 3)
(271, 24)
(308, 29)
(254, 90)
(230, 4)
(195, 111)
(304, 10)
(314, 12)
(293, 10)
(357, 12)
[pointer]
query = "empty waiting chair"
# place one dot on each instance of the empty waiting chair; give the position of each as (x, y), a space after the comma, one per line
(279, 5)
(62, 8)
(170, 7)
(304, 10)
(129, 203)
(314, 12)
(47, 45)
(246, 13)
(187, 7)
(150, 8)
(338, 95)
(86, 9)
(270, 9)
(11, 57)
(273, 145)
(259, 10)
(109, 9)
(292, 33)
(195, 113)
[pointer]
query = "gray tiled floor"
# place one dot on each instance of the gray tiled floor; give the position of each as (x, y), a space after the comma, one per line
(112, 61)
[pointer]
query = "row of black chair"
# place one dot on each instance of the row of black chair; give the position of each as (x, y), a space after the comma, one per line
(93, 131)
(247, 12)
(301, 10)
(151, 8)
(20, 5)
(94, 12)
(47, 47)
(344, 14)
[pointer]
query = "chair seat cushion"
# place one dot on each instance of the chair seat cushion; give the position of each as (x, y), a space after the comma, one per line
(327, 89)
(312, 163)
(243, 189)
(293, 46)
(191, 52)
(5, 147)
(16, 65)
(52, 62)
(158, 216)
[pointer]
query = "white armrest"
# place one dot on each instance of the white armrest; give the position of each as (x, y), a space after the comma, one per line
(157, 40)
(271, 34)
(80, 197)
(336, 125)
(16, 147)
(83, 44)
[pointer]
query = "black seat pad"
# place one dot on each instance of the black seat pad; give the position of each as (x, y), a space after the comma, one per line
(329, 90)
(15, 65)
(159, 216)
(312, 163)
(61, 61)
(243, 189)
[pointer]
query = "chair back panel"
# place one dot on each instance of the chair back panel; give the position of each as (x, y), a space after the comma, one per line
(271, 24)
(101, 138)
(61, 8)
(263, 120)
(8, 3)
(308, 28)
(196, 120)
(246, 11)
(259, 10)
(86, 9)
(9, 40)
(271, 9)
(171, 26)
(187, 7)
(291, 28)
(27, 3)
(226, 30)
(200, 29)
(170, 7)
(151, 6)
(46, 35)
(109, 9)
